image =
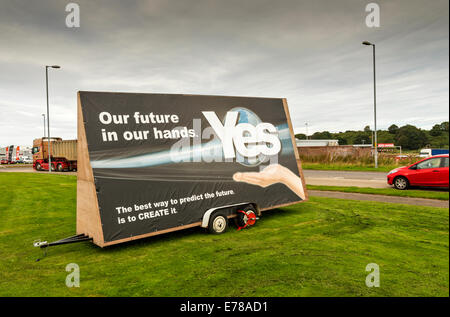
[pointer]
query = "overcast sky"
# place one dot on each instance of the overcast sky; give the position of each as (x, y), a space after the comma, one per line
(308, 51)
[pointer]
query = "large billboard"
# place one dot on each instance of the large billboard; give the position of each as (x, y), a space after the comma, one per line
(152, 163)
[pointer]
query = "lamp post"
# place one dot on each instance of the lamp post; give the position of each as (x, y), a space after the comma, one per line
(306, 124)
(48, 118)
(374, 103)
(43, 115)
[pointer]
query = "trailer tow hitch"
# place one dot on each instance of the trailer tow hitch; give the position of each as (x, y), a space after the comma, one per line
(72, 239)
(44, 244)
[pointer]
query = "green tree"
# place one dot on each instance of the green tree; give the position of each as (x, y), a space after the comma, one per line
(385, 137)
(436, 130)
(325, 135)
(393, 129)
(362, 138)
(342, 140)
(300, 136)
(410, 137)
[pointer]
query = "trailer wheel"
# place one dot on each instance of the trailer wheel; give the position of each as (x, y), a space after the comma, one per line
(245, 217)
(218, 223)
(59, 167)
(38, 167)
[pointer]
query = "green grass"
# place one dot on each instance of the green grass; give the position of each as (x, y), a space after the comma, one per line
(415, 193)
(317, 248)
(15, 165)
(347, 167)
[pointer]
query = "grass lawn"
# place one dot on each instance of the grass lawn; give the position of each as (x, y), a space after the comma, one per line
(15, 165)
(317, 248)
(348, 167)
(415, 193)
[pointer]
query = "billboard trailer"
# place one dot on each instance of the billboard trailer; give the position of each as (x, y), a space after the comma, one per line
(150, 164)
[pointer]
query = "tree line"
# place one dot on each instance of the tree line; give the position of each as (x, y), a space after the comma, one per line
(409, 137)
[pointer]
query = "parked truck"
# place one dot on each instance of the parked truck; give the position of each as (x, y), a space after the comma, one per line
(10, 155)
(432, 152)
(63, 154)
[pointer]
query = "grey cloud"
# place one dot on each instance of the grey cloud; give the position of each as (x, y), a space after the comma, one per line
(307, 51)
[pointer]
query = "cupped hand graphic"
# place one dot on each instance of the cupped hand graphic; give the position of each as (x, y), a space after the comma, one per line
(273, 174)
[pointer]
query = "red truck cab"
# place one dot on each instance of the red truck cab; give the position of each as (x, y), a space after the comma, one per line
(63, 154)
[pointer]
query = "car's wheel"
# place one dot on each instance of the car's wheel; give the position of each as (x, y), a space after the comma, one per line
(401, 183)
(242, 218)
(59, 167)
(218, 223)
(53, 167)
(38, 167)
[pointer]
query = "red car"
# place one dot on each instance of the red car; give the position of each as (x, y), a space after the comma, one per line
(432, 171)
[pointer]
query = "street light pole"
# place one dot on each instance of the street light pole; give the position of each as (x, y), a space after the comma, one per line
(306, 124)
(48, 119)
(43, 115)
(374, 104)
(375, 108)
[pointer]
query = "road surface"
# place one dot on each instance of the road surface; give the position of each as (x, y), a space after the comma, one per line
(312, 177)
(346, 178)
(26, 169)
(331, 178)
(382, 198)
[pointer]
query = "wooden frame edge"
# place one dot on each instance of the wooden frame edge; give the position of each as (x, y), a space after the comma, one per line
(294, 145)
(88, 212)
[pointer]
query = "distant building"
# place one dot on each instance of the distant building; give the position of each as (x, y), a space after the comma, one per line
(308, 143)
(330, 148)
(363, 145)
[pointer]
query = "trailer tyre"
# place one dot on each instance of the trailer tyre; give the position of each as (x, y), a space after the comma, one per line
(218, 223)
(59, 167)
(38, 167)
(242, 219)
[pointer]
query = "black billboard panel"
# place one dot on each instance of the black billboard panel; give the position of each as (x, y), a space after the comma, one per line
(158, 162)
